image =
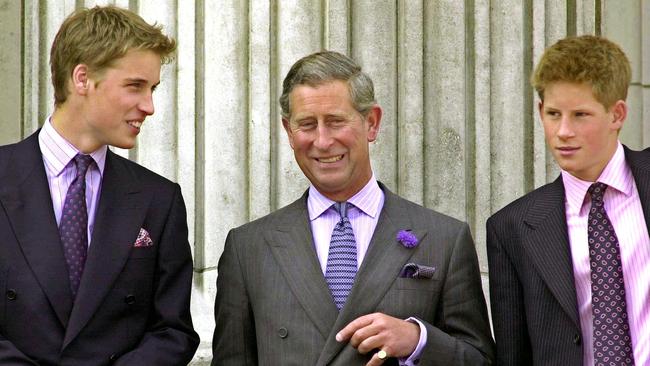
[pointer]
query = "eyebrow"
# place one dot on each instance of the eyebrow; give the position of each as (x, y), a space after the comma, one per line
(141, 81)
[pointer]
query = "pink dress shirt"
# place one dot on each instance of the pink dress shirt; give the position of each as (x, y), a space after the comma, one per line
(623, 207)
(364, 216)
(60, 171)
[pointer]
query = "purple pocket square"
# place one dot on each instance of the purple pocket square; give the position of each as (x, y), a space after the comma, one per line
(143, 239)
(413, 270)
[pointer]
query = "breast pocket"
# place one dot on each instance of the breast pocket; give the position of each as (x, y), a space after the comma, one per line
(417, 284)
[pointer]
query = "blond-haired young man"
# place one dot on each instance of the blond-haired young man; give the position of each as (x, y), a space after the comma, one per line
(95, 266)
(570, 261)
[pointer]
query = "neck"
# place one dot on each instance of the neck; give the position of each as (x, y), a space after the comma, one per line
(65, 120)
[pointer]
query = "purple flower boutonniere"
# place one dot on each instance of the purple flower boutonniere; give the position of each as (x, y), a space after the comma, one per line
(407, 239)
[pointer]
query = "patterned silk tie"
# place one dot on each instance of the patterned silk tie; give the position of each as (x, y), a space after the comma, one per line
(73, 227)
(612, 342)
(342, 258)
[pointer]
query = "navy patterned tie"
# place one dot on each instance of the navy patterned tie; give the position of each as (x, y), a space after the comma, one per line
(342, 258)
(73, 227)
(612, 342)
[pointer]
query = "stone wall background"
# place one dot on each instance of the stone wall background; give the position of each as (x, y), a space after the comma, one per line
(460, 132)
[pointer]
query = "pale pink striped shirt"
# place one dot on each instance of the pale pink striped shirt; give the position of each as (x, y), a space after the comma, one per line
(363, 216)
(624, 209)
(60, 171)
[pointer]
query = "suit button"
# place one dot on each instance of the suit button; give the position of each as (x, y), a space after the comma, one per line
(11, 294)
(129, 299)
(113, 357)
(577, 340)
(283, 332)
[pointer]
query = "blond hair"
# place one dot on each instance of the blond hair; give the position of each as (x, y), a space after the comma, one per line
(99, 36)
(585, 59)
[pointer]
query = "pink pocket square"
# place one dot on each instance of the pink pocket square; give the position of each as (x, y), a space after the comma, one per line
(143, 239)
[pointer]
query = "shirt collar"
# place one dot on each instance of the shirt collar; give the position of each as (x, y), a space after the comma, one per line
(617, 175)
(58, 152)
(366, 200)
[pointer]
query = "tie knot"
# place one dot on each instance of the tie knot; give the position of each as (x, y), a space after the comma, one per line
(342, 208)
(82, 163)
(597, 191)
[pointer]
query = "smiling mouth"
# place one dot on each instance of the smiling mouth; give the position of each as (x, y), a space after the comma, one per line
(135, 124)
(332, 159)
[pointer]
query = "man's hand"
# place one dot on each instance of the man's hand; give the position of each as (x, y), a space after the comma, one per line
(396, 337)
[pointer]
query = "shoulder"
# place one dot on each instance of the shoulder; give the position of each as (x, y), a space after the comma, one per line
(22, 152)
(638, 159)
(144, 176)
(418, 214)
(550, 193)
(6, 151)
(288, 216)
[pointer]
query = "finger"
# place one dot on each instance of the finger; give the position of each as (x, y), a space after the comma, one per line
(371, 343)
(375, 360)
(362, 335)
(347, 332)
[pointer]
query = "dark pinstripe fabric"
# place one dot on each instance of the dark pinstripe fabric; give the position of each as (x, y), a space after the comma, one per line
(532, 292)
(273, 305)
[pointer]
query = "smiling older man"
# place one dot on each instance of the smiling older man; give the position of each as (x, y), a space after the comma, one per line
(350, 273)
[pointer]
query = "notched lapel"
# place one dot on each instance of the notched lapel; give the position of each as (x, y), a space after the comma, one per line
(26, 197)
(293, 249)
(380, 268)
(120, 214)
(548, 246)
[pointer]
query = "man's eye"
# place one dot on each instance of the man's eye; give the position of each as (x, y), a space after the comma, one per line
(306, 125)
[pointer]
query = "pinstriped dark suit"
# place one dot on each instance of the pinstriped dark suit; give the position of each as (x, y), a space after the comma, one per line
(534, 306)
(273, 305)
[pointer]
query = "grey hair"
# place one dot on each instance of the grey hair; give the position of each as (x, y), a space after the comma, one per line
(322, 67)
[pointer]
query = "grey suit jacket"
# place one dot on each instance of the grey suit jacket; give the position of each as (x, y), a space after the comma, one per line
(534, 306)
(273, 306)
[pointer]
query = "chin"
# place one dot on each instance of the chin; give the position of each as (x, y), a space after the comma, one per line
(123, 145)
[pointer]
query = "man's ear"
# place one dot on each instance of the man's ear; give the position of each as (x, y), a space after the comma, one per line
(287, 128)
(80, 79)
(373, 120)
(619, 112)
(540, 109)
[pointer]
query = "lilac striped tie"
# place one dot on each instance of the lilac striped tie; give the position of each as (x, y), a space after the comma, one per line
(73, 227)
(342, 258)
(612, 342)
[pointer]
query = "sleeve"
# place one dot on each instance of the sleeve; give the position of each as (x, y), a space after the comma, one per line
(414, 358)
(170, 339)
(461, 335)
(234, 335)
(508, 313)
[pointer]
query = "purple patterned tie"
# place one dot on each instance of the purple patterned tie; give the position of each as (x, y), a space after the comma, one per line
(73, 227)
(612, 342)
(342, 258)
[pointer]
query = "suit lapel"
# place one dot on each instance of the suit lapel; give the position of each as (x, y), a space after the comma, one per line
(121, 212)
(293, 248)
(548, 246)
(26, 197)
(381, 266)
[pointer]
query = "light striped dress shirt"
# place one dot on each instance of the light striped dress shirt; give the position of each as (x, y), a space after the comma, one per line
(363, 216)
(58, 155)
(624, 209)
